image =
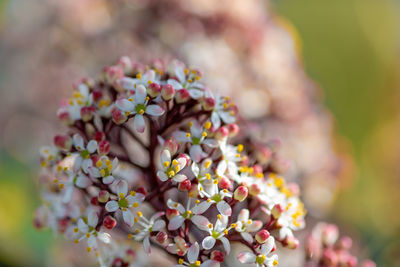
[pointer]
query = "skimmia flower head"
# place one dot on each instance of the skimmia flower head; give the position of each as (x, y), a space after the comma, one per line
(153, 157)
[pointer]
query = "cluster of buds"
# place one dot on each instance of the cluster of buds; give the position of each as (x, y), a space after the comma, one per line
(153, 156)
(325, 248)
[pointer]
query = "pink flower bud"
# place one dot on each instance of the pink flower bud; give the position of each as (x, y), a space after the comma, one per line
(221, 133)
(329, 257)
(277, 211)
(290, 242)
(62, 225)
(279, 164)
(167, 92)
(186, 185)
(99, 136)
(330, 234)
(109, 222)
(104, 147)
(254, 189)
(63, 142)
(233, 129)
(345, 242)
(118, 116)
(241, 193)
(141, 190)
(262, 236)
(126, 64)
(217, 255)
(87, 113)
(186, 157)
(113, 74)
(94, 201)
(171, 145)
(154, 89)
(264, 155)
(103, 196)
(97, 95)
(161, 237)
(171, 213)
(182, 96)
(64, 117)
(208, 103)
(225, 183)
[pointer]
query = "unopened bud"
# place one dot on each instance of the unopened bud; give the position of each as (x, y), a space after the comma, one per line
(118, 116)
(94, 201)
(264, 155)
(330, 234)
(290, 242)
(109, 222)
(103, 196)
(241, 193)
(126, 64)
(208, 103)
(185, 185)
(279, 164)
(63, 142)
(217, 255)
(171, 145)
(167, 91)
(262, 236)
(154, 89)
(64, 117)
(104, 147)
(225, 183)
(141, 190)
(171, 213)
(254, 189)
(221, 133)
(99, 136)
(277, 211)
(182, 96)
(233, 129)
(186, 157)
(113, 74)
(345, 242)
(161, 237)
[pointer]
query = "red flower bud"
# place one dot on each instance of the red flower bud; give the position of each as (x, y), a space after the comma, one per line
(167, 92)
(221, 133)
(94, 201)
(262, 236)
(208, 103)
(217, 256)
(118, 116)
(182, 96)
(141, 190)
(154, 89)
(104, 147)
(109, 222)
(63, 142)
(185, 185)
(171, 213)
(233, 129)
(99, 136)
(161, 237)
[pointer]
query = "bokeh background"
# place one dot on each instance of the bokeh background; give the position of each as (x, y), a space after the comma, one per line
(349, 48)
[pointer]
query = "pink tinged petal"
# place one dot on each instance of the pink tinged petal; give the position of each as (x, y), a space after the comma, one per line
(128, 218)
(138, 123)
(140, 94)
(216, 121)
(195, 94)
(125, 105)
(146, 244)
(114, 164)
(158, 225)
(208, 242)
(112, 206)
(201, 222)
(92, 146)
(93, 218)
(195, 169)
(227, 117)
(156, 215)
(226, 244)
(78, 142)
(165, 156)
(108, 180)
(254, 226)
(211, 143)
(224, 208)
(222, 165)
(175, 222)
(180, 136)
(268, 246)
(202, 207)
(82, 181)
(180, 178)
(182, 162)
(247, 237)
(154, 110)
(94, 172)
(162, 176)
(82, 226)
(246, 257)
(122, 187)
(193, 253)
(175, 205)
(175, 84)
(128, 83)
(196, 153)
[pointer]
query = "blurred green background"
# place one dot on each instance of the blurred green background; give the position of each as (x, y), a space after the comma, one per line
(351, 48)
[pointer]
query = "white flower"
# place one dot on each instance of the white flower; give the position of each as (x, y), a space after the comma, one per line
(196, 137)
(87, 227)
(193, 255)
(104, 168)
(48, 155)
(170, 170)
(184, 214)
(204, 178)
(147, 78)
(137, 105)
(230, 158)
(78, 180)
(216, 196)
(245, 226)
(125, 202)
(263, 257)
(292, 218)
(221, 112)
(152, 225)
(185, 79)
(217, 232)
(83, 159)
(81, 98)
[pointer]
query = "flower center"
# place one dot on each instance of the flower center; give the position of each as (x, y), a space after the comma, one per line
(85, 154)
(217, 198)
(140, 109)
(196, 140)
(260, 259)
(123, 203)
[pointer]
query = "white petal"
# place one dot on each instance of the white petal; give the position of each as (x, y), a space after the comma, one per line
(78, 142)
(162, 176)
(82, 181)
(216, 121)
(268, 245)
(77, 164)
(92, 146)
(195, 94)
(180, 136)
(208, 242)
(112, 206)
(201, 208)
(175, 206)
(179, 178)
(154, 110)
(146, 244)
(247, 237)
(108, 180)
(114, 164)
(175, 84)
(193, 253)
(165, 156)
(246, 257)
(243, 215)
(211, 143)
(222, 165)
(82, 226)
(175, 222)
(93, 218)
(125, 105)
(195, 169)
(201, 222)
(138, 123)
(128, 217)
(68, 194)
(86, 164)
(196, 129)
(210, 263)
(158, 225)
(180, 74)
(140, 94)
(196, 153)
(92, 242)
(157, 215)
(122, 187)
(254, 226)
(226, 243)
(224, 208)
(104, 237)
(227, 117)
(182, 163)
(128, 83)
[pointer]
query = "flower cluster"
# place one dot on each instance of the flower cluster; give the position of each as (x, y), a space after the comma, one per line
(324, 248)
(153, 156)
